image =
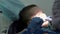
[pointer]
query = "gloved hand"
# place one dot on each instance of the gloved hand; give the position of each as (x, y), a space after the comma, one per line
(34, 27)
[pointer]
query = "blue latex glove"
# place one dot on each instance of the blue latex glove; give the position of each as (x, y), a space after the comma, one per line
(34, 26)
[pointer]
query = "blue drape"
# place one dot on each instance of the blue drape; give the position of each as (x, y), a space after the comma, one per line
(11, 8)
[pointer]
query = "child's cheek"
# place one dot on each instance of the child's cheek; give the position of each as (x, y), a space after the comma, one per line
(45, 24)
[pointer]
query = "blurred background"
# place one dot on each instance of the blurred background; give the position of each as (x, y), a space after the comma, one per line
(9, 10)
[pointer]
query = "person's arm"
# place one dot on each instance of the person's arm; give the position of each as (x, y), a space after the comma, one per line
(34, 26)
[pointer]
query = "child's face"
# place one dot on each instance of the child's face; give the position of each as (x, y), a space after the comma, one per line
(44, 17)
(41, 15)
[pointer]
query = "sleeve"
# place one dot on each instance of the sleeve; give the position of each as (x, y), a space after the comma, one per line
(34, 26)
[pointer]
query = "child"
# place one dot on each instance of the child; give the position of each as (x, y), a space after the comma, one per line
(25, 15)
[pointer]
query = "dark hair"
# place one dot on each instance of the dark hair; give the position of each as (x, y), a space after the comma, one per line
(20, 24)
(26, 11)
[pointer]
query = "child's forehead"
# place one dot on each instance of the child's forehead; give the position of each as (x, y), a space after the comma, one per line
(35, 8)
